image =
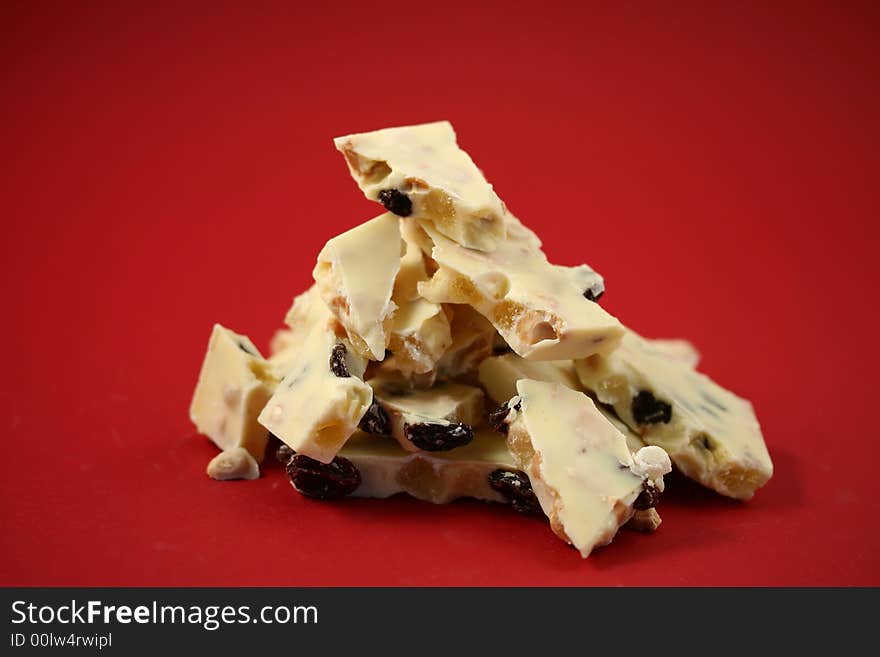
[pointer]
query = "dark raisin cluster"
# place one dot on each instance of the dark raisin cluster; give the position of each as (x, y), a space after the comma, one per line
(647, 409)
(376, 420)
(647, 499)
(438, 437)
(337, 361)
(499, 415)
(396, 202)
(284, 453)
(323, 481)
(517, 489)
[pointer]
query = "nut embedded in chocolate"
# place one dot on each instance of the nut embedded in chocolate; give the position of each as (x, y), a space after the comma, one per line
(323, 481)
(396, 202)
(376, 420)
(337, 362)
(647, 499)
(438, 437)
(516, 488)
(647, 409)
(284, 453)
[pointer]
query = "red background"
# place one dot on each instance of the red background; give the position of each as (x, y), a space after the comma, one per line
(166, 168)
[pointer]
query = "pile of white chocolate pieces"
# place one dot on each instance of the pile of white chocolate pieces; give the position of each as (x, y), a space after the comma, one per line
(440, 354)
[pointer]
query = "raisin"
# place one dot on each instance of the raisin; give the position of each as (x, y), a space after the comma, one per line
(591, 295)
(497, 419)
(284, 453)
(438, 437)
(337, 362)
(647, 499)
(376, 420)
(324, 481)
(396, 201)
(647, 409)
(499, 415)
(516, 488)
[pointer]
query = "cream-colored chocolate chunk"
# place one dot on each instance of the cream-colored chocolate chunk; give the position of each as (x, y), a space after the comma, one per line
(679, 349)
(711, 434)
(581, 470)
(235, 463)
(322, 397)
(355, 276)
(472, 341)
(439, 477)
(420, 172)
(234, 385)
(419, 333)
(419, 336)
(537, 307)
(286, 344)
(498, 376)
(435, 419)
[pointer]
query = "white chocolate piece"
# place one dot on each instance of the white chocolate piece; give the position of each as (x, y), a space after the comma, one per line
(579, 465)
(235, 463)
(282, 339)
(537, 307)
(711, 434)
(443, 404)
(413, 262)
(678, 349)
(419, 333)
(472, 338)
(355, 276)
(419, 336)
(498, 374)
(391, 366)
(441, 181)
(234, 385)
(438, 477)
(314, 411)
(287, 343)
